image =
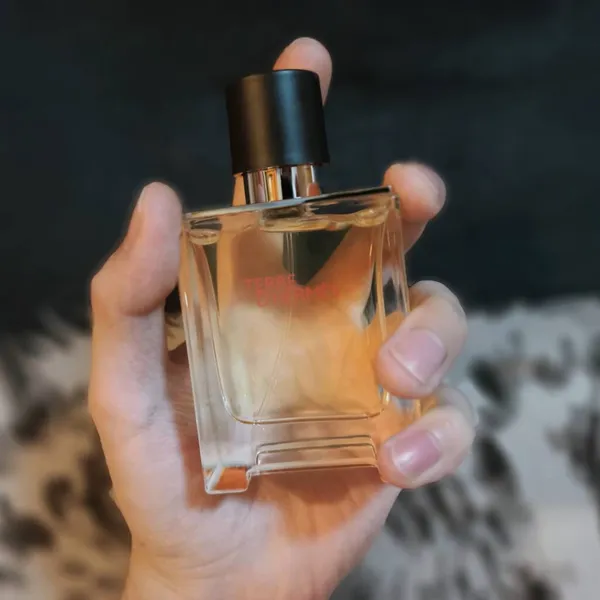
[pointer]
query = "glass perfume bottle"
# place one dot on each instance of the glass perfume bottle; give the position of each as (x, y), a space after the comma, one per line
(287, 298)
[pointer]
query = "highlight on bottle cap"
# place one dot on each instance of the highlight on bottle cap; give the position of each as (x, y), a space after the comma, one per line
(276, 119)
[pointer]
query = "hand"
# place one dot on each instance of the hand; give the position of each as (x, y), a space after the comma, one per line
(290, 537)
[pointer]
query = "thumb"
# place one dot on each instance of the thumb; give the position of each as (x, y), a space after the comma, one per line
(127, 394)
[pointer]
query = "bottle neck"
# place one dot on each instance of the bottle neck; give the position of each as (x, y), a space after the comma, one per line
(280, 183)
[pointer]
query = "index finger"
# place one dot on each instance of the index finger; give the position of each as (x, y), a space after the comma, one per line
(306, 54)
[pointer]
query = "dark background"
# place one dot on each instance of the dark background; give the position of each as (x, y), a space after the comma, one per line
(502, 98)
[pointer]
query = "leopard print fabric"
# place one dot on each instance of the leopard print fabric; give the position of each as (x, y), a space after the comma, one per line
(518, 522)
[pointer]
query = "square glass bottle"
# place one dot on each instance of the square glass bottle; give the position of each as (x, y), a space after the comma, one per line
(287, 298)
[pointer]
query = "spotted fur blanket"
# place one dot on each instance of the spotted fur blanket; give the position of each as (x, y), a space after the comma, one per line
(519, 521)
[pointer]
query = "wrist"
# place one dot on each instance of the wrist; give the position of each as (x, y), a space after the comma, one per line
(149, 582)
(146, 583)
(152, 579)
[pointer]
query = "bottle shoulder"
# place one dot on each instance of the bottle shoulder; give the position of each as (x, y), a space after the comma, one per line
(333, 202)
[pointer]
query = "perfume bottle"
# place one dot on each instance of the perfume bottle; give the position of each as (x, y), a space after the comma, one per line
(287, 297)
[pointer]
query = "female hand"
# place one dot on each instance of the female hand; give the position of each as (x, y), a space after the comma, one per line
(289, 537)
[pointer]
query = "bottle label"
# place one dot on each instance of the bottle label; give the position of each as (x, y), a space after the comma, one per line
(282, 290)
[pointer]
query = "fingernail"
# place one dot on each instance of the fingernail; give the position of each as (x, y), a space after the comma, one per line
(429, 184)
(418, 351)
(415, 452)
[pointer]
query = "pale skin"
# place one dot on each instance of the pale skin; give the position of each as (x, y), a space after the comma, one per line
(291, 537)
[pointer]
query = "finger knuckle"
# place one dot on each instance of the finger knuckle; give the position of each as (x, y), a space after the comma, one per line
(430, 288)
(456, 399)
(434, 290)
(99, 292)
(437, 185)
(456, 306)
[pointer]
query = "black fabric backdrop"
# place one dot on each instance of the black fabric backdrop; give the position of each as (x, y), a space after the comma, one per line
(502, 98)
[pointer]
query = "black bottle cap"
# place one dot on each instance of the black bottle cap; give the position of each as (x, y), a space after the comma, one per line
(276, 119)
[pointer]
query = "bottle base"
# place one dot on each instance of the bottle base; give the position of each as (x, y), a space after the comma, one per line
(286, 457)
(285, 307)
(252, 451)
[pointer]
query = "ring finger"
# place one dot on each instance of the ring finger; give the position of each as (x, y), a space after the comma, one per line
(416, 357)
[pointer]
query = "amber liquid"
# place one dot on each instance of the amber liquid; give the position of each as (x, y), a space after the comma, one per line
(285, 309)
